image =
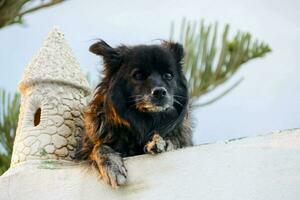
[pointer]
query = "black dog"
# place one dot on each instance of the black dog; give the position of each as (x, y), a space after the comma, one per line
(141, 106)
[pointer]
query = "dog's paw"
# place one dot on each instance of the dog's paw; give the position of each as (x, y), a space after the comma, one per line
(113, 171)
(156, 145)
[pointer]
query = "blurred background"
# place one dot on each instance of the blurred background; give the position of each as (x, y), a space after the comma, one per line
(267, 99)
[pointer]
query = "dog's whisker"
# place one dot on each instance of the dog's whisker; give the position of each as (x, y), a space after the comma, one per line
(138, 95)
(178, 96)
(136, 104)
(136, 100)
(176, 101)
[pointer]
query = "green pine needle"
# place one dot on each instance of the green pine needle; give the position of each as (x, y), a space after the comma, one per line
(209, 63)
(9, 113)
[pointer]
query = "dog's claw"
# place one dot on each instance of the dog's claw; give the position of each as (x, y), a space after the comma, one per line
(113, 172)
(156, 145)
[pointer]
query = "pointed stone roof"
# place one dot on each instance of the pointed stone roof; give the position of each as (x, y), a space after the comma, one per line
(54, 63)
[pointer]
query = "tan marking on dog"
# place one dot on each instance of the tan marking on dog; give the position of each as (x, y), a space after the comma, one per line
(114, 117)
(156, 145)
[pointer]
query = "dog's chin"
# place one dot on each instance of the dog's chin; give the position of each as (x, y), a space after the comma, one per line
(153, 108)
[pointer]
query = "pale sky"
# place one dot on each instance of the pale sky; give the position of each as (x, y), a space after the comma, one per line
(267, 100)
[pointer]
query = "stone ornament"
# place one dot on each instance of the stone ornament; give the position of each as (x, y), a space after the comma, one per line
(53, 91)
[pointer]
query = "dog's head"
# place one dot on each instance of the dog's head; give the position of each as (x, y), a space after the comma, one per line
(146, 79)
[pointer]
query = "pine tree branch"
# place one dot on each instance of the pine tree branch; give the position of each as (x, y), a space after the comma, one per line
(208, 64)
(51, 3)
(13, 11)
(220, 95)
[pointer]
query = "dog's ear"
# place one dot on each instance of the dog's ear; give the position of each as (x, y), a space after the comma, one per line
(111, 57)
(176, 49)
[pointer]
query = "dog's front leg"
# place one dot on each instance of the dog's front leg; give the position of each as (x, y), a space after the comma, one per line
(110, 165)
(157, 144)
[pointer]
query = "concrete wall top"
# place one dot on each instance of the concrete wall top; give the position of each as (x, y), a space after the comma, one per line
(259, 168)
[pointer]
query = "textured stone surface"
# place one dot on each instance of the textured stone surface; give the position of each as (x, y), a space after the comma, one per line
(50, 149)
(58, 120)
(62, 152)
(54, 129)
(59, 141)
(53, 83)
(44, 139)
(54, 62)
(64, 131)
(258, 168)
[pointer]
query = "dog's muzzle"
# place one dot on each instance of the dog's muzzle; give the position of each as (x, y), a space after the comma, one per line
(157, 101)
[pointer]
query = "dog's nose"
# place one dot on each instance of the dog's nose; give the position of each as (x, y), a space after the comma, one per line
(159, 92)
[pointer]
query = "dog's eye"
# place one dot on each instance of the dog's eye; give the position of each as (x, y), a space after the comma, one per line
(168, 76)
(139, 75)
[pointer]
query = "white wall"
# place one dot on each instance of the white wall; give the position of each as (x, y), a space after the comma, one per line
(259, 168)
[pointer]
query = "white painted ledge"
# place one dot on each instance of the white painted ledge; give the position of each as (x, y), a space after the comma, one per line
(260, 168)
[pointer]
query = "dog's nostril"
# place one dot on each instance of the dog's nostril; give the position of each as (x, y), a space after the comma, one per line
(159, 92)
